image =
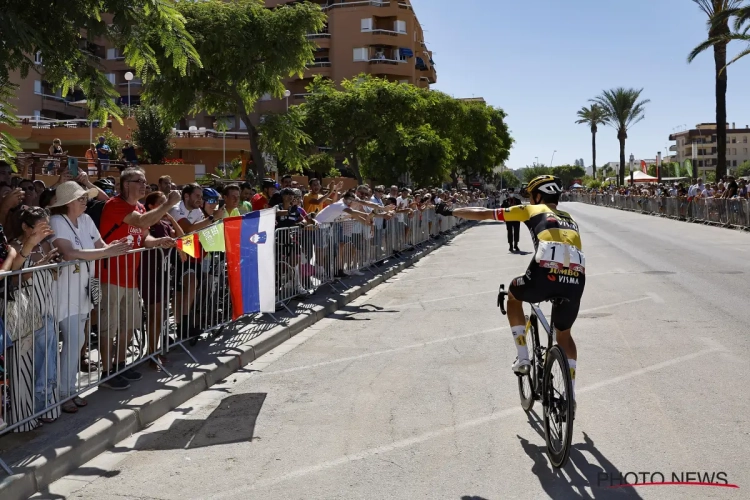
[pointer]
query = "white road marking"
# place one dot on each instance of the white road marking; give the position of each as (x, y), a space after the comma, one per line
(422, 344)
(404, 443)
(484, 271)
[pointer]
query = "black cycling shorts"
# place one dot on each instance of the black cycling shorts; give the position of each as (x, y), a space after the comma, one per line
(540, 284)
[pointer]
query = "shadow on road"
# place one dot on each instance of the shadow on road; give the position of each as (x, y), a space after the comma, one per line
(233, 421)
(347, 313)
(578, 475)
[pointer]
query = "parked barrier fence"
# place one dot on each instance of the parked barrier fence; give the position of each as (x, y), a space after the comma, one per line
(58, 341)
(726, 212)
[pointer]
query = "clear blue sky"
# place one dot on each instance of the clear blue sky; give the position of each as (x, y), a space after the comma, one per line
(542, 60)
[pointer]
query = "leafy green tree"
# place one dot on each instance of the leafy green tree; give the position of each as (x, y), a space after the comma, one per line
(247, 50)
(153, 135)
(63, 33)
(622, 109)
(568, 173)
(717, 12)
(507, 180)
(320, 163)
(529, 173)
(484, 139)
(282, 135)
(364, 109)
(744, 169)
(593, 116)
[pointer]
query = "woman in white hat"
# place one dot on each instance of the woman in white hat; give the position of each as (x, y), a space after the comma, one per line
(77, 239)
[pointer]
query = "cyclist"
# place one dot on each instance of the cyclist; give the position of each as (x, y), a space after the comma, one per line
(557, 269)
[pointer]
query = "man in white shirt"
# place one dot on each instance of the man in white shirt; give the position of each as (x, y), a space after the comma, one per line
(342, 209)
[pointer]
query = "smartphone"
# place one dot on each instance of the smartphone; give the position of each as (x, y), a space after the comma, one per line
(73, 166)
(221, 203)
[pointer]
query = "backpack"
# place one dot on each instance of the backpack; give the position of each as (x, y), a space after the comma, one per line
(94, 210)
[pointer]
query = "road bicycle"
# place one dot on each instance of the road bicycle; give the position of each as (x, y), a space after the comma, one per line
(549, 381)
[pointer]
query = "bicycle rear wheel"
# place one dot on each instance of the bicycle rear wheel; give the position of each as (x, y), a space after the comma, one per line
(527, 384)
(558, 407)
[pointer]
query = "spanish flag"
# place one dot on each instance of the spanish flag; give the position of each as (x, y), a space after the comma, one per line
(190, 244)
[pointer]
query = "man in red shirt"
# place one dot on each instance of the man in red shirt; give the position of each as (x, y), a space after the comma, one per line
(260, 200)
(123, 217)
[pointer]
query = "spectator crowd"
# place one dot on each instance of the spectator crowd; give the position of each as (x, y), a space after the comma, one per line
(93, 273)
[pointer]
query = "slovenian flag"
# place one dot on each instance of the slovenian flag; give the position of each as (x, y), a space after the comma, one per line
(249, 242)
(190, 245)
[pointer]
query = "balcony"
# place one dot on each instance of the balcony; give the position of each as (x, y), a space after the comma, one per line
(318, 67)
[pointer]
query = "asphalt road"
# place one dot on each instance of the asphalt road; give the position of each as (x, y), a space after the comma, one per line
(408, 392)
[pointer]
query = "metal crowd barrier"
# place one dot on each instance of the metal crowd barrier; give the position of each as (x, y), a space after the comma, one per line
(57, 345)
(726, 212)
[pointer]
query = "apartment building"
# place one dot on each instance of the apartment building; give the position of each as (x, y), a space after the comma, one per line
(378, 37)
(700, 145)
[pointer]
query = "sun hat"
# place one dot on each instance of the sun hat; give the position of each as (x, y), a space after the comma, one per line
(71, 191)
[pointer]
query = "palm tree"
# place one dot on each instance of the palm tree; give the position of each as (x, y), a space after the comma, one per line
(718, 12)
(592, 116)
(622, 110)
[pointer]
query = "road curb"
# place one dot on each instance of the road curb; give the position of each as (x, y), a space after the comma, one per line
(75, 450)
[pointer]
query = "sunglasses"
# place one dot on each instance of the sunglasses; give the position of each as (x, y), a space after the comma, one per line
(212, 202)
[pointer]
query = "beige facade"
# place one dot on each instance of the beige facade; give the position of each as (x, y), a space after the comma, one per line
(380, 38)
(703, 139)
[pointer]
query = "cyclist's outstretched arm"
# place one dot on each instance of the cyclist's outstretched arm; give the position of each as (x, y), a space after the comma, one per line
(475, 213)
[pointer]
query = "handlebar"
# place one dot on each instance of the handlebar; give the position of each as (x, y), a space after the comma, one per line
(501, 294)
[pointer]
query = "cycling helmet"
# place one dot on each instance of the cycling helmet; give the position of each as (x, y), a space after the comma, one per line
(210, 194)
(268, 183)
(104, 184)
(546, 184)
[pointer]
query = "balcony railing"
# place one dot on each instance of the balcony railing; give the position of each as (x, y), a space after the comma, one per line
(384, 32)
(38, 122)
(333, 4)
(313, 36)
(301, 96)
(319, 64)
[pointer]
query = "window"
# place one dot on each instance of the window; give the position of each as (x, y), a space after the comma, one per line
(366, 24)
(734, 140)
(192, 123)
(38, 58)
(403, 81)
(111, 53)
(265, 97)
(700, 163)
(744, 139)
(37, 87)
(360, 54)
(734, 163)
(745, 151)
(734, 151)
(243, 126)
(112, 78)
(37, 114)
(399, 26)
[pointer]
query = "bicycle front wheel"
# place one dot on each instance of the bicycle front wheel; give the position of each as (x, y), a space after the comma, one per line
(558, 407)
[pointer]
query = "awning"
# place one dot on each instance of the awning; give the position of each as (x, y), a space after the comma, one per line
(406, 52)
(420, 63)
(432, 62)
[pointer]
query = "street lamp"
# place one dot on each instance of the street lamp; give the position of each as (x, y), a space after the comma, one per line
(537, 161)
(632, 160)
(129, 77)
(553, 158)
(287, 93)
